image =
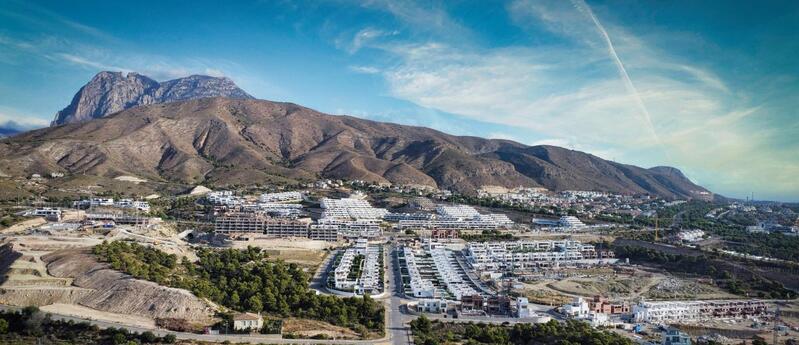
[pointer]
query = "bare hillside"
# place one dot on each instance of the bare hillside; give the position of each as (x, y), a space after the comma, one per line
(244, 141)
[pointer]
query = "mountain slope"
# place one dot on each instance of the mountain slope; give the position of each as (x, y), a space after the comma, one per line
(223, 140)
(110, 92)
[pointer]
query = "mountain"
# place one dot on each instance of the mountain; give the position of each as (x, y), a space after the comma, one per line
(226, 141)
(111, 92)
(7, 131)
(9, 128)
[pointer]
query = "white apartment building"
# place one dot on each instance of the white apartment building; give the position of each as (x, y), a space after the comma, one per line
(460, 212)
(442, 259)
(368, 281)
(49, 212)
(447, 224)
(134, 204)
(691, 235)
(692, 311)
(530, 254)
(420, 287)
(350, 209)
(224, 197)
(366, 228)
(570, 222)
(282, 197)
(499, 219)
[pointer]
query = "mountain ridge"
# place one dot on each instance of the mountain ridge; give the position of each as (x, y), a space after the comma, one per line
(225, 140)
(110, 92)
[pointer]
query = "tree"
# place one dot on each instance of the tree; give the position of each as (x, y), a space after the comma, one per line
(169, 338)
(254, 303)
(119, 338)
(149, 337)
(3, 326)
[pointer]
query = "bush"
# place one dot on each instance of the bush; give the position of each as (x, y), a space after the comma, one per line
(169, 339)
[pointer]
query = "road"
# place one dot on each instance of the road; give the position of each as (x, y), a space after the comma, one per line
(319, 280)
(397, 320)
(244, 338)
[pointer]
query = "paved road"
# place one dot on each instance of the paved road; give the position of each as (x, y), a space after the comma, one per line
(319, 280)
(256, 339)
(397, 324)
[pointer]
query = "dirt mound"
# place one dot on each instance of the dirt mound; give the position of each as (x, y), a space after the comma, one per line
(7, 257)
(116, 292)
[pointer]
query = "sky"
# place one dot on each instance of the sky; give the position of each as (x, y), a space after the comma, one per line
(709, 87)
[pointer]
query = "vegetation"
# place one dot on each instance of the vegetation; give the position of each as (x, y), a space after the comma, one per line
(571, 332)
(355, 269)
(732, 229)
(738, 281)
(31, 326)
(244, 280)
(8, 217)
(489, 235)
(139, 261)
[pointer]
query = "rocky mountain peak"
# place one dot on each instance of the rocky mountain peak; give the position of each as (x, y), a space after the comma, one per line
(111, 92)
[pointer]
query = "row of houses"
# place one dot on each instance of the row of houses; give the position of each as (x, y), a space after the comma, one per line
(138, 205)
(480, 305)
(456, 217)
(493, 256)
(433, 273)
(691, 311)
(363, 279)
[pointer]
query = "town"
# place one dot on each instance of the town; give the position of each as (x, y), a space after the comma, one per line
(636, 266)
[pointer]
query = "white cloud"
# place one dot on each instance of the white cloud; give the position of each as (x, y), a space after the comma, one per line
(365, 69)
(571, 95)
(420, 16)
(95, 65)
(10, 117)
(364, 36)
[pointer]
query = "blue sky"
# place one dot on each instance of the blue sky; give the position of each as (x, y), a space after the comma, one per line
(709, 87)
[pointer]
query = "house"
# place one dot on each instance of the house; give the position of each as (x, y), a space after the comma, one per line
(247, 321)
(675, 337)
(522, 307)
(438, 306)
(600, 304)
(578, 308)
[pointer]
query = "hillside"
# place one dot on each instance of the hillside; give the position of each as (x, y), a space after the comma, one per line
(227, 141)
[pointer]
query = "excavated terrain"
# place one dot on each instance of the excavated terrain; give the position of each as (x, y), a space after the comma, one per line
(116, 292)
(43, 274)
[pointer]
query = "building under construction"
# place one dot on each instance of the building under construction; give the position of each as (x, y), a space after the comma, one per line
(251, 222)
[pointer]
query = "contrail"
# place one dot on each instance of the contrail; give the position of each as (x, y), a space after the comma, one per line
(582, 6)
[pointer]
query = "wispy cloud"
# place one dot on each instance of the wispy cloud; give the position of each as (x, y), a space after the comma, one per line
(420, 16)
(78, 60)
(628, 82)
(365, 69)
(46, 20)
(608, 92)
(364, 36)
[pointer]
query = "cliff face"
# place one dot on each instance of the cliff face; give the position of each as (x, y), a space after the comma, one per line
(245, 141)
(111, 92)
